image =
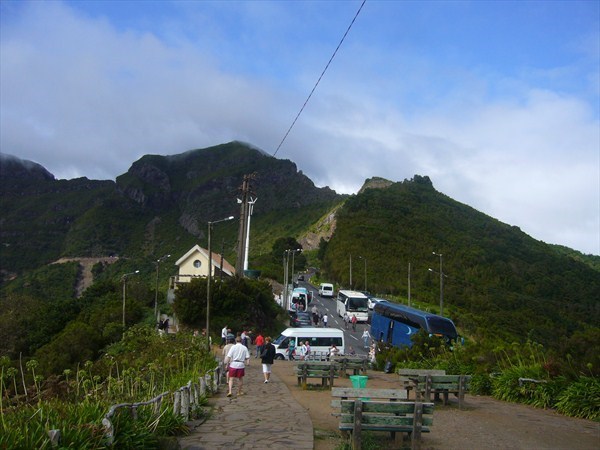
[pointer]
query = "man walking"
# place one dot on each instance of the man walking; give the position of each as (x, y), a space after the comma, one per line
(325, 318)
(267, 356)
(237, 358)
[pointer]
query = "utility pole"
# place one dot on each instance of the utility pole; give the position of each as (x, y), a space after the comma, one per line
(408, 284)
(243, 228)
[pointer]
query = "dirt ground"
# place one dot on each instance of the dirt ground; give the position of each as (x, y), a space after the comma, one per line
(483, 423)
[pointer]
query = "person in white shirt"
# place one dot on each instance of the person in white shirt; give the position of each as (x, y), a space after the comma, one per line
(224, 333)
(301, 350)
(238, 358)
(366, 336)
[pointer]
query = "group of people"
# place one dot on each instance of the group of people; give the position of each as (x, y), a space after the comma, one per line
(236, 356)
(298, 353)
(318, 318)
(350, 321)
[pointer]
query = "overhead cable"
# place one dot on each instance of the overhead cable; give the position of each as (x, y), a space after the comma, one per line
(321, 76)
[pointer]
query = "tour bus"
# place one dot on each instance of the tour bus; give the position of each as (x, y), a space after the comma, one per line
(354, 303)
(319, 339)
(326, 290)
(395, 324)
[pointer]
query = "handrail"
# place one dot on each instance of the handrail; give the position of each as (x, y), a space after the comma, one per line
(184, 399)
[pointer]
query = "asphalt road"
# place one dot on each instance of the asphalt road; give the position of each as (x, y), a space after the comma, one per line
(328, 305)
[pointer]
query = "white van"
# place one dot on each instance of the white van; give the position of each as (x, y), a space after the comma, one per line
(319, 339)
(326, 290)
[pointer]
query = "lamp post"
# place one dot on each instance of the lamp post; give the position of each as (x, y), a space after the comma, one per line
(441, 284)
(124, 280)
(365, 260)
(210, 266)
(298, 250)
(350, 270)
(158, 261)
(247, 249)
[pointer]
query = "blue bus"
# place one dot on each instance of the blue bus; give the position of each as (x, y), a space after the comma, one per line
(395, 324)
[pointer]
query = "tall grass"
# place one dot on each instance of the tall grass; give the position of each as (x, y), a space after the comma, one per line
(136, 369)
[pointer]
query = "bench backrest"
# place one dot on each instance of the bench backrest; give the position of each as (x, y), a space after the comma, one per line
(386, 414)
(448, 382)
(418, 372)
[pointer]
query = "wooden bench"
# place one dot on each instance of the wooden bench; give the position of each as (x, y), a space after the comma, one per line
(409, 377)
(444, 384)
(380, 410)
(325, 370)
(358, 364)
(316, 356)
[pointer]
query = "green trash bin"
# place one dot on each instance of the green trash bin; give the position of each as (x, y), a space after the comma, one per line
(359, 382)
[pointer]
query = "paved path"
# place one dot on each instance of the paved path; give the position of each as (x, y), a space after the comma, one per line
(265, 417)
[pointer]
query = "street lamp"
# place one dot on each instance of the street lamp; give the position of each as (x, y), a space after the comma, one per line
(298, 250)
(286, 274)
(158, 261)
(350, 270)
(441, 284)
(210, 224)
(124, 280)
(365, 260)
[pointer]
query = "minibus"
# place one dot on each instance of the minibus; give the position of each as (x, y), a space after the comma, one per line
(319, 339)
(354, 303)
(326, 290)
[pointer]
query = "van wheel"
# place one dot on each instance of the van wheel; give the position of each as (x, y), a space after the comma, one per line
(278, 356)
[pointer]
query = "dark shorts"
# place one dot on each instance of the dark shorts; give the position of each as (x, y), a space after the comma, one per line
(236, 373)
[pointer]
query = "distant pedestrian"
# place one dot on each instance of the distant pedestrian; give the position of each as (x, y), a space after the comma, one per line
(238, 358)
(307, 352)
(166, 325)
(301, 352)
(260, 344)
(267, 355)
(346, 320)
(325, 318)
(333, 351)
(366, 336)
(354, 320)
(292, 349)
(226, 348)
(224, 333)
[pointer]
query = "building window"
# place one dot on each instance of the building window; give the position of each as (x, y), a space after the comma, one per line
(197, 264)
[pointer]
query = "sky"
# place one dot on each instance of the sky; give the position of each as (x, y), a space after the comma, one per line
(498, 102)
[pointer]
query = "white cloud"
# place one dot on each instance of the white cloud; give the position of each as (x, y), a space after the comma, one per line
(85, 98)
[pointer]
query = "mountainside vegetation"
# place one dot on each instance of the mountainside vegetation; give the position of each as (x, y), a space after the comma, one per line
(501, 287)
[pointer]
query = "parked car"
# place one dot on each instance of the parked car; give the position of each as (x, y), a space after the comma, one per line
(373, 301)
(301, 319)
(300, 277)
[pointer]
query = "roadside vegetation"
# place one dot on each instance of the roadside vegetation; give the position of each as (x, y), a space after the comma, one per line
(513, 372)
(137, 368)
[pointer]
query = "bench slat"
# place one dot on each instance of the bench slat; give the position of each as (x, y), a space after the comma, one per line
(347, 406)
(390, 394)
(384, 420)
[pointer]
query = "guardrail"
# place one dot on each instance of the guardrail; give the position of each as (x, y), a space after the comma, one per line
(184, 400)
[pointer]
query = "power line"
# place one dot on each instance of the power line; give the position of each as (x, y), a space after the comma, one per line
(319, 80)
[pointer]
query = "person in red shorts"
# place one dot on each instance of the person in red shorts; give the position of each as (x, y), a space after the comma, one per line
(237, 358)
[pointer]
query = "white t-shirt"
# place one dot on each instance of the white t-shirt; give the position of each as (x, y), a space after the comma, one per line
(237, 355)
(224, 332)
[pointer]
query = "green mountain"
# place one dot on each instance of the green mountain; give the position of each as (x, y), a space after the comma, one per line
(499, 283)
(161, 205)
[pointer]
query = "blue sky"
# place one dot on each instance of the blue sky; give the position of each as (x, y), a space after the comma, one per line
(498, 102)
